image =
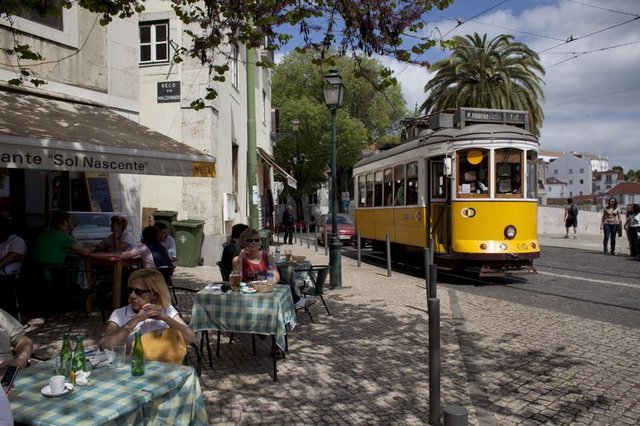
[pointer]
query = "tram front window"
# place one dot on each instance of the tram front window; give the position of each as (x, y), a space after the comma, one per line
(508, 172)
(473, 173)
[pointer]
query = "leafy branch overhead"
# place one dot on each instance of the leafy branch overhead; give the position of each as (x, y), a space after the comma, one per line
(332, 27)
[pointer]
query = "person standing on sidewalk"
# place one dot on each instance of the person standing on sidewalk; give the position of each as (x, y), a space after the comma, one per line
(287, 222)
(609, 223)
(571, 218)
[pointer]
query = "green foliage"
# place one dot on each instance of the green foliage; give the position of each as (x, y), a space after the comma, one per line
(499, 74)
(345, 28)
(371, 111)
(632, 175)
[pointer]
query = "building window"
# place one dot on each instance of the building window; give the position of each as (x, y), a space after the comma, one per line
(581, 170)
(313, 197)
(581, 181)
(608, 179)
(570, 181)
(570, 171)
(60, 28)
(49, 19)
(234, 65)
(154, 42)
(555, 172)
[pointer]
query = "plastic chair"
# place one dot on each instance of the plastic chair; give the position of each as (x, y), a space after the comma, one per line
(318, 276)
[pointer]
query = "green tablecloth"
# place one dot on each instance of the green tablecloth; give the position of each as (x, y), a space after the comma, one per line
(166, 394)
(257, 313)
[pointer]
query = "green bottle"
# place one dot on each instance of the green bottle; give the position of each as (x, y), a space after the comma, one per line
(137, 356)
(78, 356)
(65, 356)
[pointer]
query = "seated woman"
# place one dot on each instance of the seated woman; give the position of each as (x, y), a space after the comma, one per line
(153, 254)
(118, 240)
(252, 260)
(150, 312)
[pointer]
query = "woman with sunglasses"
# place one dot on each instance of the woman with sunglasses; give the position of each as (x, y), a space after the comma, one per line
(609, 224)
(149, 311)
(252, 260)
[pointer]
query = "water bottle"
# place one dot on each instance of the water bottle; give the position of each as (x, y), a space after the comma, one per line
(137, 356)
(277, 255)
(65, 356)
(270, 272)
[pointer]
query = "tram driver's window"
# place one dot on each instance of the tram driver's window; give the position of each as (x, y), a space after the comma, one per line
(362, 192)
(412, 183)
(398, 173)
(369, 184)
(508, 172)
(438, 179)
(377, 191)
(532, 174)
(473, 173)
(388, 187)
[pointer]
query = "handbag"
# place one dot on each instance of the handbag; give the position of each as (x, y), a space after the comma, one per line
(619, 230)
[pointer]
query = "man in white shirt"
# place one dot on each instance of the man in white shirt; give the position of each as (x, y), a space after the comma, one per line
(166, 240)
(12, 249)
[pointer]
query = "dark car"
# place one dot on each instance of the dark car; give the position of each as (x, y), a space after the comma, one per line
(299, 225)
(346, 229)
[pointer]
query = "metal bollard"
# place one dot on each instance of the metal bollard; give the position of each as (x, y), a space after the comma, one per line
(455, 415)
(433, 281)
(388, 255)
(307, 236)
(427, 267)
(326, 242)
(433, 305)
(358, 242)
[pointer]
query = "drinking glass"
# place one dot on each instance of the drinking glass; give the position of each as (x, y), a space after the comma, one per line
(234, 279)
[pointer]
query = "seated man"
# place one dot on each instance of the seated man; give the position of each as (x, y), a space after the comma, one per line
(12, 249)
(231, 249)
(51, 246)
(166, 240)
(13, 340)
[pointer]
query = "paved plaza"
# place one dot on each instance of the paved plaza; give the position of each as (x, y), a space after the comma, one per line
(367, 363)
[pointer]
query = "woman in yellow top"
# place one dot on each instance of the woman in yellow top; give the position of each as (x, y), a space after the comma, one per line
(609, 224)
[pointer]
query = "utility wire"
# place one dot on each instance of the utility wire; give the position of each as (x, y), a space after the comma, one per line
(604, 95)
(578, 54)
(602, 8)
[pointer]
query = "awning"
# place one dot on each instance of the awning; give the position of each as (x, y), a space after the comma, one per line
(270, 160)
(47, 133)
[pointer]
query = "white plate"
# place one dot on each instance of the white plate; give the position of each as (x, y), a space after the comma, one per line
(46, 391)
(248, 290)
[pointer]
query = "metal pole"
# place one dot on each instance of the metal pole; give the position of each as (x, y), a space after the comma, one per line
(433, 304)
(326, 242)
(358, 241)
(432, 251)
(388, 247)
(427, 267)
(433, 278)
(335, 246)
(455, 415)
(307, 235)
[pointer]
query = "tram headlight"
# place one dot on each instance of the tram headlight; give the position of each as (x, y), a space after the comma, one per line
(510, 232)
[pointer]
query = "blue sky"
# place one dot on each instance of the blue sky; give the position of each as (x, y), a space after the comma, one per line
(592, 84)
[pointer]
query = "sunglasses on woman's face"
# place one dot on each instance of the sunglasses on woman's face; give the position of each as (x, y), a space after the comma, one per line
(253, 240)
(138, 291)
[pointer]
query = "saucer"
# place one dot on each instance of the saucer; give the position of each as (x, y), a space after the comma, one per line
(46, 391)
(248, 290)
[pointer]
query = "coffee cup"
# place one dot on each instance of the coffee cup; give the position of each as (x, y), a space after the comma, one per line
(56, 384)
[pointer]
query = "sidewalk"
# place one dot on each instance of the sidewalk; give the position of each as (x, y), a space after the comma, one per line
(368, 362)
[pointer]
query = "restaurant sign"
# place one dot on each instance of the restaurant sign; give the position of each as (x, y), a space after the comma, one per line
(106, 160)
(168, 91)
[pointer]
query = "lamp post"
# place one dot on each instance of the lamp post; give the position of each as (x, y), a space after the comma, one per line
(333, 93)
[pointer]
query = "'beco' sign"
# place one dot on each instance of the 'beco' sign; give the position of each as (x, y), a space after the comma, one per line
(168, 91)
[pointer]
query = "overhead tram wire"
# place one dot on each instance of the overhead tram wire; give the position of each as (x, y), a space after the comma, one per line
(602, 8)
(578, 54)
(604, 95)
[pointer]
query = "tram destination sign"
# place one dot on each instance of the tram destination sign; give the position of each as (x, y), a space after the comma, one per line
(468, 116)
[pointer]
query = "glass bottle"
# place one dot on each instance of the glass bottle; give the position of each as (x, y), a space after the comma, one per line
(66, 356)
(137, 356)
(78, 356)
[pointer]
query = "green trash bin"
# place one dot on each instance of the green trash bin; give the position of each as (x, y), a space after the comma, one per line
(189, 238)
(167, 216)
(265, 237)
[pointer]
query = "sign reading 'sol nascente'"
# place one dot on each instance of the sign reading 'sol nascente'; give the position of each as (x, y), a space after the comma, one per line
(168, 91)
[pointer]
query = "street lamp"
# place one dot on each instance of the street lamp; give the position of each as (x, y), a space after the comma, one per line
(333, 92)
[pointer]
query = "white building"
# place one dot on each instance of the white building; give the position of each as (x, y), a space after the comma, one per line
(574, 175)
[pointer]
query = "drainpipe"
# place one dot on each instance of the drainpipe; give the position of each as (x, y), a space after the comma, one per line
(252, 149)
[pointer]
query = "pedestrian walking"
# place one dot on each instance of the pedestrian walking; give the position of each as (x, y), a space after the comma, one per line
(609, 224)
(571, 218)
(287, 222)
(633, 229)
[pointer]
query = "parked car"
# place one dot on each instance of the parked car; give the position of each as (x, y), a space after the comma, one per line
(346, 229)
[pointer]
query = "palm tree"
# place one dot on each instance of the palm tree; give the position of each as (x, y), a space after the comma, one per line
(500, 74)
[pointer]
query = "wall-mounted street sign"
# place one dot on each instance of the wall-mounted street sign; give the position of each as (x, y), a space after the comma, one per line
(168, 91)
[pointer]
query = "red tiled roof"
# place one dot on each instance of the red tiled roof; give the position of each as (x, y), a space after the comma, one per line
(625, 188)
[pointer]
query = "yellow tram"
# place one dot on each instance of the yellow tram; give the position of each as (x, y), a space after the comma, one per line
(473, 174)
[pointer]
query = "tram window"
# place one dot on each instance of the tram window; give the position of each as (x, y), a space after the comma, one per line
(412, 183)
(532, 174)
(437, 180)
(362, 192)
(388, 187)
(377, 190)
(369, 198)
(508, 172)
(473, 173)
(398, 173)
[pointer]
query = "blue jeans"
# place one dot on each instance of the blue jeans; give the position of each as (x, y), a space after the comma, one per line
(610, 230)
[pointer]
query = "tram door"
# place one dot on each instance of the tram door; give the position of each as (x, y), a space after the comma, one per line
(439, 203)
